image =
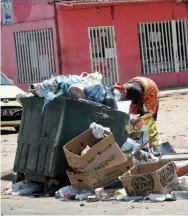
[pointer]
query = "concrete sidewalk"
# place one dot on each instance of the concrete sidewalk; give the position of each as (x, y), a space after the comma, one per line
(174, 92)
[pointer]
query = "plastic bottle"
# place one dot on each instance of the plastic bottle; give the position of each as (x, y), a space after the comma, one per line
(180, 195)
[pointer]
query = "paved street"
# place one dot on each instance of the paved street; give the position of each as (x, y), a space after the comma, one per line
(172, 126)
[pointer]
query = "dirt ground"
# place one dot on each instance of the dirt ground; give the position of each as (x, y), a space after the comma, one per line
(172, 126)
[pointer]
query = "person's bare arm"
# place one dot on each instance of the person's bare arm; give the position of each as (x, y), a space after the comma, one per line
(141, 107)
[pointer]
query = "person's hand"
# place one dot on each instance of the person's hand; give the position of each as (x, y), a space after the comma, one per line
(147, 112)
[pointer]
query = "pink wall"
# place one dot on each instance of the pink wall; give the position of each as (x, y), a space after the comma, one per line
(74, 22)
(40, 15)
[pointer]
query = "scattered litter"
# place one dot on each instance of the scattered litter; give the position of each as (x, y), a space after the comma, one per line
(97, 162)
(130, 145)
(93, 198)
(34, 196)
(129, 198)
(182, 171)
(103, 194)
(22, 188)
(159, 197)
(85, 150)
(83, 195)
(61, 193)
(97, 130)
(120, 192)
(146, 157)
(183, 183)
(69, 193)
(180, 195)
(82, 204)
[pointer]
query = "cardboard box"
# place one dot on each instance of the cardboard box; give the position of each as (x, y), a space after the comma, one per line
(99, 178)
(102, 154)
(144, 179)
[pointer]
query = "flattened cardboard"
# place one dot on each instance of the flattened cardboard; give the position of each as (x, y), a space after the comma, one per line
(99, 178)
(144, 179)
(103, 154)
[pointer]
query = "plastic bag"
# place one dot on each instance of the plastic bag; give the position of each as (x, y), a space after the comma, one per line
(97, 130)
(63, 191)
(110, 102)
(95, 92)
(96, 76)
(83, 195)
(130, 146)
(50, 84)
(22, 188)
(72, 79)
(36, 89)
(149, 120)
(183, 183)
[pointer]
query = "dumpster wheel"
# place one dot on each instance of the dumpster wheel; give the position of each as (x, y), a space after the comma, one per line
(51, 186)
(18, 178)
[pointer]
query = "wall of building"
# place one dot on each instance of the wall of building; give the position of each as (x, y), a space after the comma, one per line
(27, 15)
(74, 22)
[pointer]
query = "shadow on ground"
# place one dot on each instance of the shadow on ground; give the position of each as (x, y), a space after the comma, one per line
(8, 131)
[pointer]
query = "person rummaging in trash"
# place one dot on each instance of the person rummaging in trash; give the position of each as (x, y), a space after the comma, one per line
(142, 92)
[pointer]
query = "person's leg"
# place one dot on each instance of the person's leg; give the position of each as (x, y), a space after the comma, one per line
(156, 112)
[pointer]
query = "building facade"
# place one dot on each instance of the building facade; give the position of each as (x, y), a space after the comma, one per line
(29, 46)
(124, 39)
(120, 38)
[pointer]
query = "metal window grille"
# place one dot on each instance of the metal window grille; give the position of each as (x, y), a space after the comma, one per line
(103, 53)
(34, 55)
(163, 46)
(182, 43)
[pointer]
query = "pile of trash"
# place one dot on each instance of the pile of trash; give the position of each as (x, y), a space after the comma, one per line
(22, 188)
(100, 169)
(86, 86)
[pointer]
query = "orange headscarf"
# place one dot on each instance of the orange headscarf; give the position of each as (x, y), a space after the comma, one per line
(122, 90)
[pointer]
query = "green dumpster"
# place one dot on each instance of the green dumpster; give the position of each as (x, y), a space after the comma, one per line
(40, 154)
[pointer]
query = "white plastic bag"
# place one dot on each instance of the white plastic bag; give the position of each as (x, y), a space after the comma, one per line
(97, 77)
(72, 79)
(97, 130)
(22, 188)
(183, 183)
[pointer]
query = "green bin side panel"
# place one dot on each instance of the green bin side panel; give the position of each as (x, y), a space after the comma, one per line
(42, 136)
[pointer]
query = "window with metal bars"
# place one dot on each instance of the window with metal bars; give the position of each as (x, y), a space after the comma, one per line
(163, 46)
(34, 55)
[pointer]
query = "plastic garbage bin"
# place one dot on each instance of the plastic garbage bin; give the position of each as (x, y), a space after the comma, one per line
(40, 155)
